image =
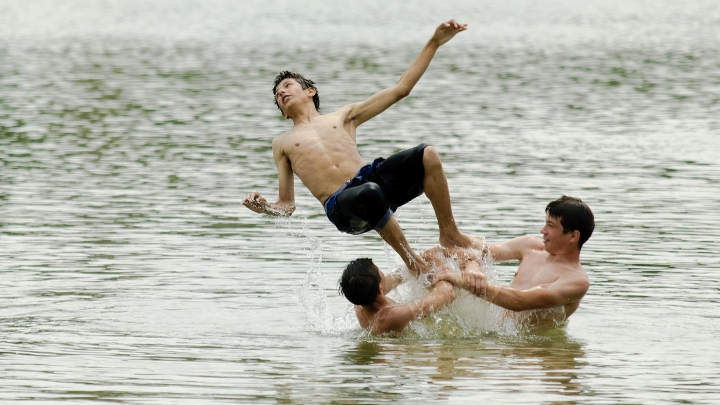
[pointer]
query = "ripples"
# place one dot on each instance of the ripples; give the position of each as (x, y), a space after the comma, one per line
(132, 274)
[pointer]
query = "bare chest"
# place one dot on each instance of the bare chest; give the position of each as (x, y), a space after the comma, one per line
(320, 137)
(535, 270)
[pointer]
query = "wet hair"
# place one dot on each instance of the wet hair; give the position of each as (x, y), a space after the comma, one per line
(360, 281)
(574, 215)
(305, 83)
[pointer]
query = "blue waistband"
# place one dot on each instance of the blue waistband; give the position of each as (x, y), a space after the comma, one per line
(359, 178)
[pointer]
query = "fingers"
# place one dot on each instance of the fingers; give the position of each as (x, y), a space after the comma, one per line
(445, 273)
(455, 25)
(253, 197)
(255, 202)
(475, 282)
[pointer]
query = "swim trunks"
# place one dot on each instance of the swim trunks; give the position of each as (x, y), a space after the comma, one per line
(368, 200)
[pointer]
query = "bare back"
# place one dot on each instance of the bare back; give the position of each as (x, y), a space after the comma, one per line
(322, 153)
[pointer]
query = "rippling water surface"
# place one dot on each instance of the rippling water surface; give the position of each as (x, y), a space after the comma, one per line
(130, 131)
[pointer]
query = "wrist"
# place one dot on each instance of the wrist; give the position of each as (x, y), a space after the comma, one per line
(433, 44)
(491, 291)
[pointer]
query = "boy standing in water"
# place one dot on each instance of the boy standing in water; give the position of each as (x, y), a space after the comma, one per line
(549, 276)
(321, 150)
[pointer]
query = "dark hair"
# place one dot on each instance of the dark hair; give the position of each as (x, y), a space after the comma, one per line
(305, 83)
(360, 281)
(574, 214)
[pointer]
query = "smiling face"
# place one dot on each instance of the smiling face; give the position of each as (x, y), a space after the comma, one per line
(554, 239)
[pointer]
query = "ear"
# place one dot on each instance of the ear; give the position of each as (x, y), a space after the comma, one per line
(381, 290)
(311, 91)
(575, 237)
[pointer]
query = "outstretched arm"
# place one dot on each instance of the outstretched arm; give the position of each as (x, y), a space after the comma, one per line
(379, 102)
(285, 204)
(560, 292)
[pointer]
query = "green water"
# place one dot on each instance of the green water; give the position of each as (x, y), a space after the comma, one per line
(130, 131)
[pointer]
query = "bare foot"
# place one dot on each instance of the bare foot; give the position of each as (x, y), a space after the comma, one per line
(457, 240)
(478, 243)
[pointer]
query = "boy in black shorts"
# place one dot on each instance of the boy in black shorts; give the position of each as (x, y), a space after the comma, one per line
(368, 200)
(321, 150)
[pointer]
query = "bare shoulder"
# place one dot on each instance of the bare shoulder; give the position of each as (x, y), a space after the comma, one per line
(392, 319)
(579, 273)
(361, 317)
(574, 278)
(278, 140)
(530, 243)
(344, 112)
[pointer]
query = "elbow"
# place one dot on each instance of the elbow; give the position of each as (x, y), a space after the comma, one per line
(402, 92)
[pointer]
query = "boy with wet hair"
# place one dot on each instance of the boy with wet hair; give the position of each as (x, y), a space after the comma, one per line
(549, 275)
(364, 285)
(574, 215)
(304, 83)
(358, 197)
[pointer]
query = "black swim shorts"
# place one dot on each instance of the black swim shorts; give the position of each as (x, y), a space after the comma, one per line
(370, 198)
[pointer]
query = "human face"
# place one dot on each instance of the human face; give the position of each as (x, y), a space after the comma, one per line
(289, 91)
(553, 237)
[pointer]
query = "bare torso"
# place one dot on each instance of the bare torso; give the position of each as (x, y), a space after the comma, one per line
(538, 267)
(322, 153)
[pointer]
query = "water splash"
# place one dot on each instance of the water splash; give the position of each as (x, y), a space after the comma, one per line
(313, 296)
(467, 316)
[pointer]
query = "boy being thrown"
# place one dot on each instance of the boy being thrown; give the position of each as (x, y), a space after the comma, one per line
(321, 150)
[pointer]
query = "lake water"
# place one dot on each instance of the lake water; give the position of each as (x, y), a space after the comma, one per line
(130, 131)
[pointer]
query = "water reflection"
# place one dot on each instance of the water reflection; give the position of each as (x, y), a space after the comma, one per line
(549, 358)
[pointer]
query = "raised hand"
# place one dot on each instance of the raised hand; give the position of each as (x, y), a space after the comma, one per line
(445, 31)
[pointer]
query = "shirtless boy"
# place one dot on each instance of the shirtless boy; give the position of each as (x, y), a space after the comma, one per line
(549, 275)
(321, 150)
(364, 285)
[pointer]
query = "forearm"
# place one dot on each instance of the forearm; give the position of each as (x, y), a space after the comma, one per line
(522, 300)
(413, 74)
(442, 294)
(508, 298)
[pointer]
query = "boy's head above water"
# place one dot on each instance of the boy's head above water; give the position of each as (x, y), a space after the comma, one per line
(294, 78)
(360, 282)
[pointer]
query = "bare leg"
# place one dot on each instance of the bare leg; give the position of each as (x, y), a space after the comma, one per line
(436, 189)
(392, 234)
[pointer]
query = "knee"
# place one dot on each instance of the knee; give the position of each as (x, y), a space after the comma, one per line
(371, 191)
(431, 157)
